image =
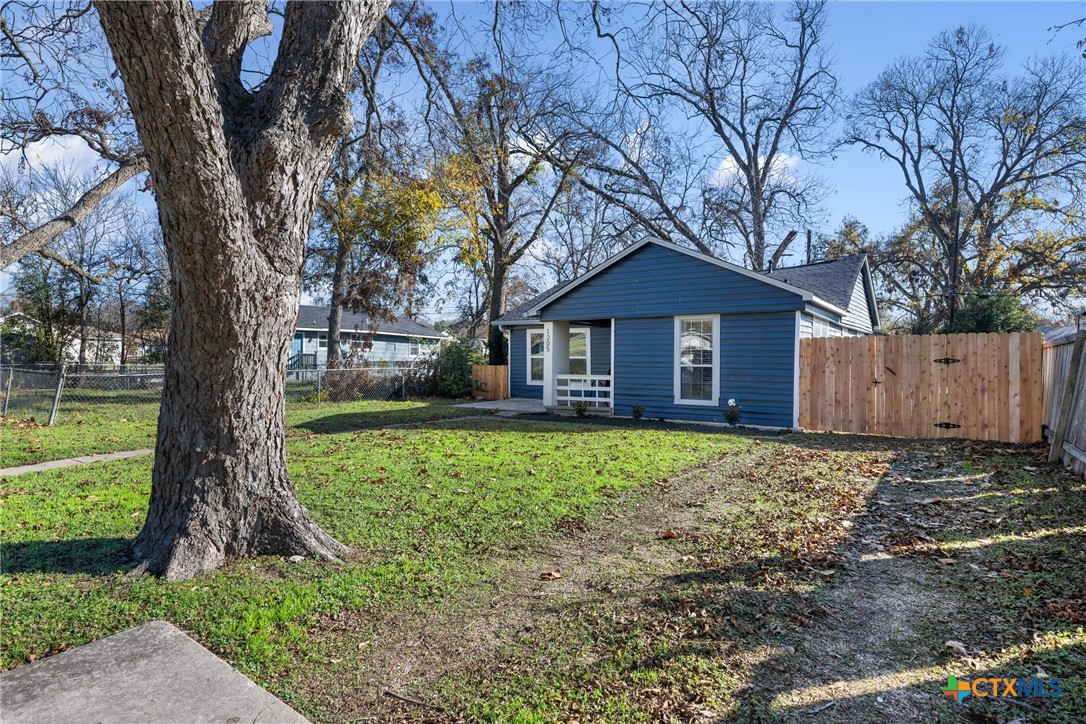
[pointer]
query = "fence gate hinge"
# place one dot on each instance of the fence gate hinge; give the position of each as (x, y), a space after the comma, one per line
(947, 360)
(947, 425)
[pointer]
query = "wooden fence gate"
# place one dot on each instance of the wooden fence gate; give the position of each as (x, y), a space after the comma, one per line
(976, 386)
(494, 380)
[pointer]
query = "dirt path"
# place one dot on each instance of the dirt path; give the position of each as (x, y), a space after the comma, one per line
(874, 655)
(617, 560)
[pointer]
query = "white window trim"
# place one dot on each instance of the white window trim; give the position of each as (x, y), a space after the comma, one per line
(587, 346)
(677, 364)
(528, 357)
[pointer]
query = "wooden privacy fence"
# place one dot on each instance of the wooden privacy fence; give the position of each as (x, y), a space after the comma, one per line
(976, 386)
(494, 380)
(1057, 368)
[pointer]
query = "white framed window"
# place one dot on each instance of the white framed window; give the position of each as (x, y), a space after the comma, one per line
(820, 328)
(697, 360)
(580, 351)
(416, 348)
(535, 356)
(322, 341)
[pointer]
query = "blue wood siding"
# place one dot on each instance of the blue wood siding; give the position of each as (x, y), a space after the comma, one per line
(757, 358)
(518, 365)
(858, 314)
(657, 282)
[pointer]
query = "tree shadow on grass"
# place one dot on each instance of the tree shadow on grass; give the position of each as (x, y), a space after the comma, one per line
(337, 422)
(92, 556)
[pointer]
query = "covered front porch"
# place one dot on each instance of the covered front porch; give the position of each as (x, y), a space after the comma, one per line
(577, 361)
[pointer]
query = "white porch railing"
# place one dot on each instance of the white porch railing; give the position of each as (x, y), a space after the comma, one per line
(593, 390)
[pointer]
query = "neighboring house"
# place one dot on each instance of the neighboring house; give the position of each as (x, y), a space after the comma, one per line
(102, 347)
(403, 340)
(679, 334)
(1056, 335)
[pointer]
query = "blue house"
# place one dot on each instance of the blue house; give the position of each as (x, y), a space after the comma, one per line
(400, 341)
(680, 334)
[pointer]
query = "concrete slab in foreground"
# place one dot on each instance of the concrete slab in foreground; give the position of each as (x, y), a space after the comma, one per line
(152, 673)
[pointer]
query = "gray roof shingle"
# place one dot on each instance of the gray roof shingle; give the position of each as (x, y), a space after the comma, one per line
(312, 317)
(830, 280)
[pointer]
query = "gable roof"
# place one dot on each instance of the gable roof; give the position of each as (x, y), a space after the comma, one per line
(529, 311)
(315, 318)
(831, 280)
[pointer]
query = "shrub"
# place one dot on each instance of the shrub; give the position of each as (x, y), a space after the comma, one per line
(354, 383)
(454, 368)
(733, 413)
(638, 412)
(993, 311)
(581, 408)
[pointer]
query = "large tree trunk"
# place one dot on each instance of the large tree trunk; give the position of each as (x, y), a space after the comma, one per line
(335, 303)
(496, 352)
(236, 175)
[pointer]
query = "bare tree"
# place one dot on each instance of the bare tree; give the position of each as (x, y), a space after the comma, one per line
(58, 86)
(585, 230)
(993, 165)
(237, 173)
(493, 123)
(370, 243)
(757, 92)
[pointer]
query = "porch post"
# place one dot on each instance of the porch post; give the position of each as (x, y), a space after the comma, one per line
(555, 358)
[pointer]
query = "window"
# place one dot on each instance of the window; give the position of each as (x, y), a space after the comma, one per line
(821, 328)
(535, 358)
(322, 341)
(416, 348)
(579, 357)
(697, 360)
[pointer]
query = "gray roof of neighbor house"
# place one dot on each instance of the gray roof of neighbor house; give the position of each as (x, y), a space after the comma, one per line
(1056, 335)
(314, 318)
(831, 280)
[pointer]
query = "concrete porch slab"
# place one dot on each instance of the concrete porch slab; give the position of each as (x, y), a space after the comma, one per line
(519, 406)
(151, 673)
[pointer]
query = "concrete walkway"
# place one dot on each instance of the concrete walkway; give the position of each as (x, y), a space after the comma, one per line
(69, 462)
(151, 673)
(512, 406)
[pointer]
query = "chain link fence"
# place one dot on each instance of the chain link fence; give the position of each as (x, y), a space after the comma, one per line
(58, 394)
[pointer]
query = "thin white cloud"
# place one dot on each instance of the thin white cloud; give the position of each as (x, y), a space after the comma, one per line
(727, 171)
(69, 150)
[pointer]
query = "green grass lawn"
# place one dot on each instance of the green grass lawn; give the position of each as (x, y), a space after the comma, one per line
(87, 429)
(424, 509)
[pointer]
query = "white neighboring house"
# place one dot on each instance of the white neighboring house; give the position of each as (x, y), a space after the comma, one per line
(400, 341)
(102, 347)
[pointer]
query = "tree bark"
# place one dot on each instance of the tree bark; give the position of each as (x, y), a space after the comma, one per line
(496, 351)
(335, 302)
(237, 174)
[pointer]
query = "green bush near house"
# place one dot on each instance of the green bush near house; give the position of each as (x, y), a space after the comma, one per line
(454, 368)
